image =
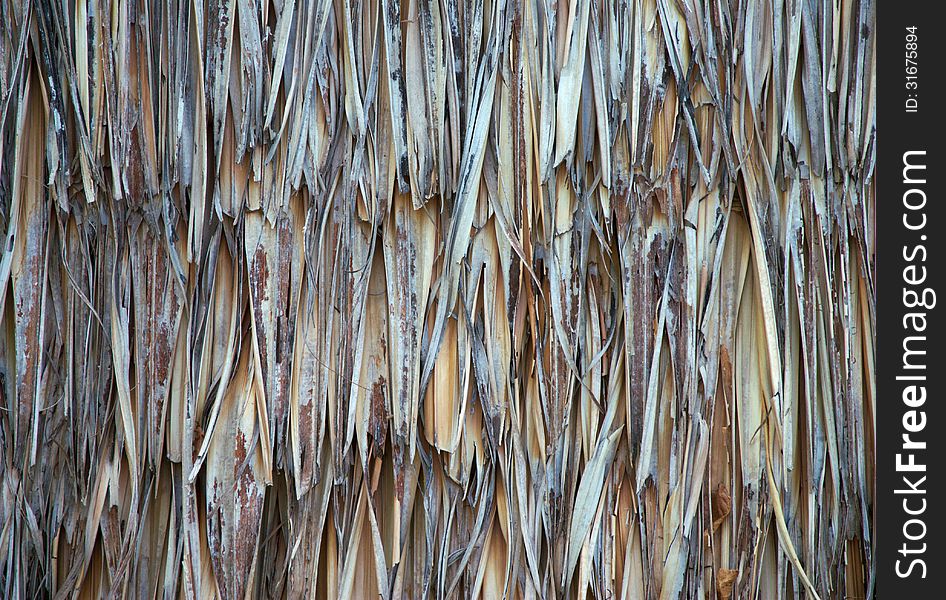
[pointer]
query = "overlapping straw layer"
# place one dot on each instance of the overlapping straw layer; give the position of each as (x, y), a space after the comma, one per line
(437, 299)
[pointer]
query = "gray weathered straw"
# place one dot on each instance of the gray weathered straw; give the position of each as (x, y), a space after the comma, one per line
(437, 299)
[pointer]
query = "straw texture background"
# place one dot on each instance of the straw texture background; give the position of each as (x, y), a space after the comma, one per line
(437, 299)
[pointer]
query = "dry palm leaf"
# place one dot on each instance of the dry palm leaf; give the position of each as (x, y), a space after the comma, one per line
(501, 298)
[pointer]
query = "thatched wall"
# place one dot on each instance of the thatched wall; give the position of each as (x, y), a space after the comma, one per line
(445, 299)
